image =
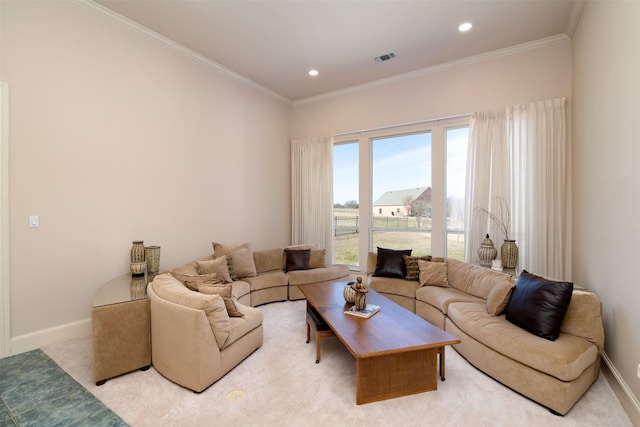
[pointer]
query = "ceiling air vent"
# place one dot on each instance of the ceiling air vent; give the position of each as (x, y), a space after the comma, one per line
(385, 57)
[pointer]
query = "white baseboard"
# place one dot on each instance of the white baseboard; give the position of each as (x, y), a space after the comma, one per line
(632, 403)
(31, 341)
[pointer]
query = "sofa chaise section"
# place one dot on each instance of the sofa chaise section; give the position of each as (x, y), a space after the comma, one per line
(471, 306)
(194, 341)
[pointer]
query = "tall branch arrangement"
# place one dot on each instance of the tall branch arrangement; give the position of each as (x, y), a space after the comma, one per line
(499, 219)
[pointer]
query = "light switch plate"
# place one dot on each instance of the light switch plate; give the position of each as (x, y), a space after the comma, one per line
(34, 221)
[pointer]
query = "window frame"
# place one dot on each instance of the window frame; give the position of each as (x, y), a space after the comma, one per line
(365, 139)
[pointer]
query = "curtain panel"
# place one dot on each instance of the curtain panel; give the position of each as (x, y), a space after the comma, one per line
(518, 155)
(312, 193)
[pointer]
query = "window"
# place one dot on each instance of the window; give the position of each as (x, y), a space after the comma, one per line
(456, 154)
(345, 204)
(401, 190)
(411, 182)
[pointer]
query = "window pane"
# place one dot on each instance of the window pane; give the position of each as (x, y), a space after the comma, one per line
(401, 192)
(456, 149)
(419, 242)
(345, 203)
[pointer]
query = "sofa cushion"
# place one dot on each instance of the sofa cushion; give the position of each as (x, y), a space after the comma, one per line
(171, 289)
(270, 279)
(297, 259)
(242, 256)
(412, 267)
(191, 280)
(241, 326)
(441, 298)
(218, 266)
(316, 275)
(473, 279)
(225, 292)
(386, 285)
(565, 359)
(433, 274)
(390, 263)
(538, 305)
(268, 260)
(499, 297)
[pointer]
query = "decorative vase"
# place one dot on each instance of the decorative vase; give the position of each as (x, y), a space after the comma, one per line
(349, 294)
(152, 254)
(509, 254)
(138, 268)
(487, 251)
(137, 251)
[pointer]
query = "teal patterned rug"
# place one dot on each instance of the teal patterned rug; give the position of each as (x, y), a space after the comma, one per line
(35, 391)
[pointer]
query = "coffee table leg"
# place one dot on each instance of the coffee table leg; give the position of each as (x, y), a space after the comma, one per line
(441, 353)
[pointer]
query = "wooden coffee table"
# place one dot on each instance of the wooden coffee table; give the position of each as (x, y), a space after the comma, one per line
(396, 351)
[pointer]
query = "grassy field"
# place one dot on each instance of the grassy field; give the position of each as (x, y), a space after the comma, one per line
(347, 241)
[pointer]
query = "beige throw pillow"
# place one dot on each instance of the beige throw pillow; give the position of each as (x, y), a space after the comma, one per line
(225, 292)
(316, 258)
(498, 298)
(191, 280)
(242, 255)
(218, 266)
(433, 273)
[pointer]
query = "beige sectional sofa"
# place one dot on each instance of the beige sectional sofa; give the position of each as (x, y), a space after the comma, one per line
(470, 304)
(197, 337)
(271, 281)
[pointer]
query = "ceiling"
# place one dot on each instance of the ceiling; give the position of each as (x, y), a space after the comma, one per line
(275, 43)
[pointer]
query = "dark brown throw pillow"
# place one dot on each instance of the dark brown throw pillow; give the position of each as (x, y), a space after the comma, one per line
(232, 271)
(390, 263)
(297, 259)
(411, 264)
(538, 305)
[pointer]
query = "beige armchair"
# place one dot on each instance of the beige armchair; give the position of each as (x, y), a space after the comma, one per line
(193, 340)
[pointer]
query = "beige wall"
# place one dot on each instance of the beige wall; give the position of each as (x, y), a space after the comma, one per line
(115, 136)
(508, 80)
(606, 83)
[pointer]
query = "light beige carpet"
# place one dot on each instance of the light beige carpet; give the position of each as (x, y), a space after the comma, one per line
(281, 385)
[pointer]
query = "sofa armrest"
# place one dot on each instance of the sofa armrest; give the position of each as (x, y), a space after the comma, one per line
(183, 347)
(584, 318)
(372, 259)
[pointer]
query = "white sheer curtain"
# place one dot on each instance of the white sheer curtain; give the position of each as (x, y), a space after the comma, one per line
(312, 192)
(519, 154)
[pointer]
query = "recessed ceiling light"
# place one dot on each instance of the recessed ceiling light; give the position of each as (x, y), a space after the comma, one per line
(313, 73)
(465, 27)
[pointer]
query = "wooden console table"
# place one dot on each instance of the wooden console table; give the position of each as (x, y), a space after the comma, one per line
(121, 323)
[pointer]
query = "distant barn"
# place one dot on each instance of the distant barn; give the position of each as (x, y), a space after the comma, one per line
(409, 202)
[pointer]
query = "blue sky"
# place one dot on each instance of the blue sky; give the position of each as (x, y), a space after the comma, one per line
(398, 163)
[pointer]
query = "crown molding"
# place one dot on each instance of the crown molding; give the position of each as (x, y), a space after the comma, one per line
(177, 46)
(512, 50)
(576, 13)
